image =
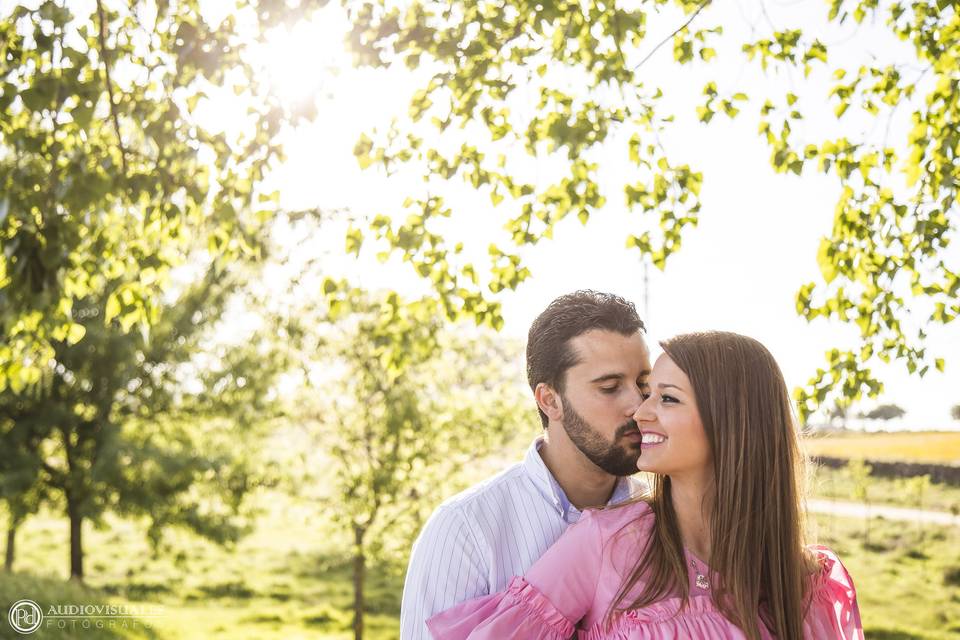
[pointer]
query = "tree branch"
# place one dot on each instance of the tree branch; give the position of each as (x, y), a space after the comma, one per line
(106, 69)
(700, 8)
(57, 477)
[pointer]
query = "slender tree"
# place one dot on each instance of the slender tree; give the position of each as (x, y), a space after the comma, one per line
(406, 406)
(118, 423)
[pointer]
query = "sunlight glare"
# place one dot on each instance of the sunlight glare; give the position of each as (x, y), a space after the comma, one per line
(300, 61)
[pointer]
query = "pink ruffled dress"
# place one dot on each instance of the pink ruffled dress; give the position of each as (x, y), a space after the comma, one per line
(570, 588)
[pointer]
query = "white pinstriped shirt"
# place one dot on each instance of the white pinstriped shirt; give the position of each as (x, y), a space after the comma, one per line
(478, 539)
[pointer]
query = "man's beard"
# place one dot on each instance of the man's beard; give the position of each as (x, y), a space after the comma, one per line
(615, 459)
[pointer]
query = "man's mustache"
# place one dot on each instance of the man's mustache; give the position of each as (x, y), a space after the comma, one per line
(630, 426)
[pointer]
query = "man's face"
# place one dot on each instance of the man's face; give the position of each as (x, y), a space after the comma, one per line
(601, 394)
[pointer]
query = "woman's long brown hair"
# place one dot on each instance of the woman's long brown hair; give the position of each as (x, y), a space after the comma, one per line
(757, 558)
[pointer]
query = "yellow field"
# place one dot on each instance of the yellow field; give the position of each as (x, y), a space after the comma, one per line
(939, 447)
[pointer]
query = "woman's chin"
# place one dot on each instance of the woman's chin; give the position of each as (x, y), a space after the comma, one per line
(648, 468)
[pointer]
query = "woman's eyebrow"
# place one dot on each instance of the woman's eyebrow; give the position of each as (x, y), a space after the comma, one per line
(664, 385)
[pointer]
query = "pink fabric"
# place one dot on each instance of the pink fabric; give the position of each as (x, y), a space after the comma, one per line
(570, 588)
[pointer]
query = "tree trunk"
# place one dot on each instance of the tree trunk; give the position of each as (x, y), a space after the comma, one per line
(76, 542)
(11, 546)
(359, 571)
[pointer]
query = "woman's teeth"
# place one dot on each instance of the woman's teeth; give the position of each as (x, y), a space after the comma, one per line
(652, 438)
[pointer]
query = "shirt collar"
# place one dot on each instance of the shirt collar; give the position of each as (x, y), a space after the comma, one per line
(548, 486)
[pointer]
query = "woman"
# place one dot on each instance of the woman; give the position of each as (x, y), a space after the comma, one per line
(715, 552)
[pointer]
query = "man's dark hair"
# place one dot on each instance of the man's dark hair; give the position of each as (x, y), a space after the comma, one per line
(549, 354)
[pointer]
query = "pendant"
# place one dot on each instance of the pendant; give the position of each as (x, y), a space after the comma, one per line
(702, 582)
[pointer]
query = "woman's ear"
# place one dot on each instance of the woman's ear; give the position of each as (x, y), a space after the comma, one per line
(549, 401)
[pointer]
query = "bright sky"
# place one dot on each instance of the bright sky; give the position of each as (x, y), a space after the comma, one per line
(739, 270)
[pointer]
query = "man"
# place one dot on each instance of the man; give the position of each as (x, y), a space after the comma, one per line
(587, 364)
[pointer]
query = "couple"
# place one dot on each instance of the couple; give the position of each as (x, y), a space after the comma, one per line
(714, 549)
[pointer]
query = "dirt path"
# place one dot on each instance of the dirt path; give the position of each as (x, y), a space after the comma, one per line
(859, 510)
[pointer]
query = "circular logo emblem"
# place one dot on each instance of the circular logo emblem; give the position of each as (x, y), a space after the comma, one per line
(25, 616)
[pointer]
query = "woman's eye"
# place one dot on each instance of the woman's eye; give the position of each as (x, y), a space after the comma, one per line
(668, 399)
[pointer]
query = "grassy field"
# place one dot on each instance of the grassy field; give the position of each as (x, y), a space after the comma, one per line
(289, 580)
(838, 484)
(907, 578)
(49, 591)
(939, 447)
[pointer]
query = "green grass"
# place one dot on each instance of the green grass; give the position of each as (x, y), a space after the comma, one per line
(291, 578)
(52, 591)
(930, 446)
(907, 577)
(839, 485)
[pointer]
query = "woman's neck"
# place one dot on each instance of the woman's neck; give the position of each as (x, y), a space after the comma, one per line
(693, 514)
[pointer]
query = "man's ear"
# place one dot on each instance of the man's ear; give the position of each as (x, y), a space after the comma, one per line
(549, 401)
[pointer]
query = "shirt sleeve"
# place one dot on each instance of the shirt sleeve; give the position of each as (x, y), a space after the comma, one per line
(834, 612)
(446, 567)
(568, 573)
(545, 604)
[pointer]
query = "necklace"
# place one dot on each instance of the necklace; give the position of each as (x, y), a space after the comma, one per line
(702, 582)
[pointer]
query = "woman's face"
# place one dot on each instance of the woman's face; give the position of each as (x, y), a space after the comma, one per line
(674, 442)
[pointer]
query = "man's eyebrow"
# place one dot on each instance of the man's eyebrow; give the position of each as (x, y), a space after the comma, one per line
(608, 376)
(616, 376)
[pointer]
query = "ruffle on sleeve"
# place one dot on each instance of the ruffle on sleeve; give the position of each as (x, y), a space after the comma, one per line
(833, 604)
(520, 611)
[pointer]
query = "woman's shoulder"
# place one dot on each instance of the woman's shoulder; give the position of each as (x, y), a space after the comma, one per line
(615, 514)
(828, 574)
(634, 517)
(821, 559)
(834, 612)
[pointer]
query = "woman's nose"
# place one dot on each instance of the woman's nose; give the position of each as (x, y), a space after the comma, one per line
(643, 412)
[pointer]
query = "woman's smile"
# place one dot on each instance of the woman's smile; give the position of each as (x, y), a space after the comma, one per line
(652, 439)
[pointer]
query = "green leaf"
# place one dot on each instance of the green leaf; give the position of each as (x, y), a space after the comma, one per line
(37, 97)
(354, 241)
(76, 333)
(825, 260)
(113, 308)
(82, 115)
(362, 151)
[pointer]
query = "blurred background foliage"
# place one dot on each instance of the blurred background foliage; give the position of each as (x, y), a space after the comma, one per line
(192, 414)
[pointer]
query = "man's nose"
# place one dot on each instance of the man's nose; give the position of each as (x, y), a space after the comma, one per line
(635, 401)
